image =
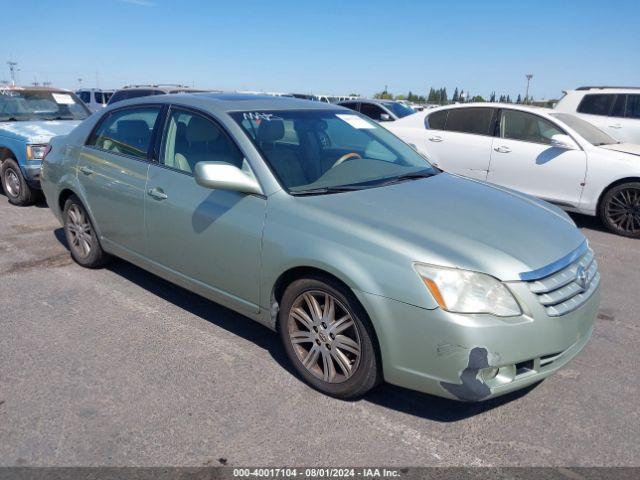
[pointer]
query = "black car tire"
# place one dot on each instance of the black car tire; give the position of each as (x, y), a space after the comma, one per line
(81, 236)
(15, 186)
(366, 374)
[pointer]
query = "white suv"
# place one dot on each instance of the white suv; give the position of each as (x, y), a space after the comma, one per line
(552, 155)
(616, 110)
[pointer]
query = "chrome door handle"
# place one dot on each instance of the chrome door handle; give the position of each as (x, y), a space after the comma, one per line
(86, 170)
(502, 149)
(157, 193)
(615, 125)
(435, 139)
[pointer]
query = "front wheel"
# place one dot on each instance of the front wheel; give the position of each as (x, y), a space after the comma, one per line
(620, 209)
(81, 236)
(15, 186)
(328, 338)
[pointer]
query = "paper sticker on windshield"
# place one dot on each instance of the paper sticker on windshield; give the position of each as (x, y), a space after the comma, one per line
(259, 116)
(63, 98)
(355, 121)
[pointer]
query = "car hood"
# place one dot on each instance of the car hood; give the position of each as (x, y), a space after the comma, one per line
(631, 148)
(452, 221)
(37, 131)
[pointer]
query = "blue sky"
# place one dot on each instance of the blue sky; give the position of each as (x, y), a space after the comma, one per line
(328, 46)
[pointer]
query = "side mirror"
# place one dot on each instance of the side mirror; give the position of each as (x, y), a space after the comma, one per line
(385, 117)
(224, 176)
(563, 141)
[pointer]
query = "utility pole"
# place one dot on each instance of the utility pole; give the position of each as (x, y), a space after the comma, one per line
(529, 77)
(12, 69)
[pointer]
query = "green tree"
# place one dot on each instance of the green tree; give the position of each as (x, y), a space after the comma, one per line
(492, 98)
(456, 96)
(519, 99)
(444, 100)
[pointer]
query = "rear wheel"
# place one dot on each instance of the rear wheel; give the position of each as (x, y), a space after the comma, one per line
(620, 209)
(328, 337)
(15, 186)
(81, 236)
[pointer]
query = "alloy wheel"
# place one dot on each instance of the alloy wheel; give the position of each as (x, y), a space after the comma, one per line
(324, 336)
(12, 183)
(79, 230)
(623, 210)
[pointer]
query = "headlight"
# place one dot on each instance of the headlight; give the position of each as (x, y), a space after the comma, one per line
(35, 152)
(462, 291)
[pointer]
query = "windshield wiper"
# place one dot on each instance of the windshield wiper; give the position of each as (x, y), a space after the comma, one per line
(325, 190)
(59, 117)
(407, 176)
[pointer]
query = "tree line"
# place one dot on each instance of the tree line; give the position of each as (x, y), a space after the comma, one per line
(439, 96)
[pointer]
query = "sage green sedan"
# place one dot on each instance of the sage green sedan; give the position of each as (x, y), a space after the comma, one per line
(370, 263)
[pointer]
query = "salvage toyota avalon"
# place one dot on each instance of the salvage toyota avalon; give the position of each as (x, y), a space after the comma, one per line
(370, 263)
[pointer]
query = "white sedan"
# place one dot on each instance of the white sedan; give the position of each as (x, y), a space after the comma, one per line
(554, 156)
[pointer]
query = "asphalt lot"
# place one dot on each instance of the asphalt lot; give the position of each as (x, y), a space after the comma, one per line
(118, 367)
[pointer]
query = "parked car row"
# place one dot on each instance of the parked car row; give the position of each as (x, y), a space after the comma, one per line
(549, 154)
(371, 263)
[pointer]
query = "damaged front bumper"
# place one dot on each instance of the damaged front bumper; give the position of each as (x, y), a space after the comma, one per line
(476, 357)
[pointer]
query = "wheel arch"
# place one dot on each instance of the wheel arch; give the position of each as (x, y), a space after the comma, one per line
(296, 273)
(620, 181)
(6, 153)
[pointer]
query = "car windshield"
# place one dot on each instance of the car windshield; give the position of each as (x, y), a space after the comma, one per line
(22, 105)
(399, 109)
(589, 132)
(323, 151)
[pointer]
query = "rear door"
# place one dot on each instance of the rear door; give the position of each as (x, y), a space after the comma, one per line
(624, 122)
(459, 140)
(209, 237)
(596, 108)
(523, 159)
(112, 171)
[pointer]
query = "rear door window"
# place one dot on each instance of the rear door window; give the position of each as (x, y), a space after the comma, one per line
(596, 104)
(127, 132)
(478, 121)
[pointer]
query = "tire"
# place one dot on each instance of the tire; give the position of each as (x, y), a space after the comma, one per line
(81, 236)
(619, 209)
(15, 186)
(332, 350)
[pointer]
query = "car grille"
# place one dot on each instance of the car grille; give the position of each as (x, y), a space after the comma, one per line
(564, 291)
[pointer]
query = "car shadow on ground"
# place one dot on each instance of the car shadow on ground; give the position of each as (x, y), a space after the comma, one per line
(587, 221)
(386, 395)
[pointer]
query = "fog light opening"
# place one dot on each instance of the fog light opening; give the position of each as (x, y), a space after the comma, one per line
(489, 374)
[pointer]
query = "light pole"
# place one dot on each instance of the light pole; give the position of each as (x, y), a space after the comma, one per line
(526, 96)
(12, 69)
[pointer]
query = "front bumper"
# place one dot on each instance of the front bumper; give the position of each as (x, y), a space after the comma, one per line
(449, 355)
(31, 173)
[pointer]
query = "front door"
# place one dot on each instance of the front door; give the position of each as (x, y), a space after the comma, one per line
(523, 159)
(112, 171)
(210, 238)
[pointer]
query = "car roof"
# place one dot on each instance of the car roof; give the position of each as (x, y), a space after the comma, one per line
(609, 89)
(36, 89)
(230, 102)
(369, 100)
(512, 106)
